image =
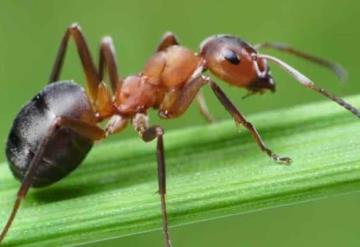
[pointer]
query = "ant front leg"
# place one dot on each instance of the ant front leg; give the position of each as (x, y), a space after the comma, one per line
(204, 110)
(148, 134)
(177, 101)
(240, 119)
(169, 39)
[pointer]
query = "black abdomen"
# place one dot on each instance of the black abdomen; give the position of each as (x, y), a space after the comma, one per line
(66, 149)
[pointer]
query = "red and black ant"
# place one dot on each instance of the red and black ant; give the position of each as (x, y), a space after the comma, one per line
(53, 133)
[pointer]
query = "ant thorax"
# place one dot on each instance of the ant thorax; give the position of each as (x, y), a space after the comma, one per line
(137, 94)
(165, 72)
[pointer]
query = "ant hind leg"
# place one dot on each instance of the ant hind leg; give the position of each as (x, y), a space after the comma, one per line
(93, 132)
(98, 91)
(88, 65)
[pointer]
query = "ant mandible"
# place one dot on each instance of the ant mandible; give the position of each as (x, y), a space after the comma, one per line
(53, 133)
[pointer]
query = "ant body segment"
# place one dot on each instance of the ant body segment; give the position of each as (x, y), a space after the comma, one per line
(53, 133)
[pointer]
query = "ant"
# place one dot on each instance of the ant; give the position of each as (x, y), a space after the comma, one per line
(53, 133)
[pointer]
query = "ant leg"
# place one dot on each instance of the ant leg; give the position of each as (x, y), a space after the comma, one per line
(115, 125)
(168, 39)
(240, 119)
(99, 94)
(107, 58)
(89, 68)
(177, 102)
(336, 68)
(91, 131)
(26, 183)
(148, 134)
(203, 107)
(85, 129)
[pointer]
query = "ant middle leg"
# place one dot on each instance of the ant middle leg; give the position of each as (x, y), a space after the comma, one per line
(240, 119)
(107, 59)
(140, 122)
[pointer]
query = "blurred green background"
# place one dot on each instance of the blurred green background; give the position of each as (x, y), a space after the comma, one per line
(30, 33)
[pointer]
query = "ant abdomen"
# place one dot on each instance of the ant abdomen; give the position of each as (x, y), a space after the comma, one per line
(65, 149)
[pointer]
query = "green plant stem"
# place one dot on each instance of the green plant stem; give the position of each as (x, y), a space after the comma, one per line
(213, 171)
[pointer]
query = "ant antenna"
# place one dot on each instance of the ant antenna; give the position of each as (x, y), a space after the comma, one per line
(339, 71)
(305, 81)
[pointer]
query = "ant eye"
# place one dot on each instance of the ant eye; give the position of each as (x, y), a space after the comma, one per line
(231, 56)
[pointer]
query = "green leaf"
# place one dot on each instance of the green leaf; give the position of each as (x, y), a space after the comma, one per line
(213, 171)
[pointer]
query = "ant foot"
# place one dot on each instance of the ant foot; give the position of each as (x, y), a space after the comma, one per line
(281, 159)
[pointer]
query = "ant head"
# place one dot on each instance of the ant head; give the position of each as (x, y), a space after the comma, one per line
(236, 62)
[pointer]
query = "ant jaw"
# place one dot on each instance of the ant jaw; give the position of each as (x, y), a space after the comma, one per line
(263, 83)
(264, 80)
